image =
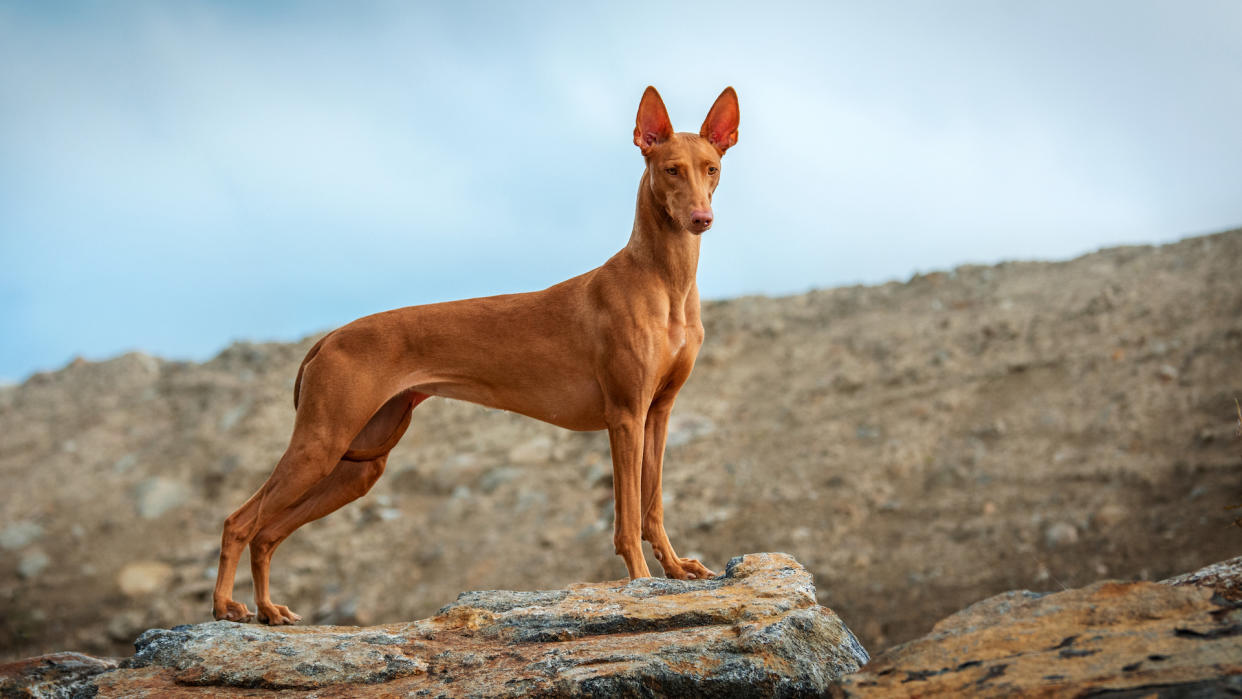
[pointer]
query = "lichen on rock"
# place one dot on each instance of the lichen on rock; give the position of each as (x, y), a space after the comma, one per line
(756, 630)
(1179, 638)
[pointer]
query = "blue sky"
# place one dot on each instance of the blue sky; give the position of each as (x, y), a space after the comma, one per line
(175, 176)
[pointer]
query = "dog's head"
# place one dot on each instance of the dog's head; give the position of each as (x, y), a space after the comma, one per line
(683, 169)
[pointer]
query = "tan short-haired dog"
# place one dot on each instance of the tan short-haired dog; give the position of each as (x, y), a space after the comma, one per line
(606, 349)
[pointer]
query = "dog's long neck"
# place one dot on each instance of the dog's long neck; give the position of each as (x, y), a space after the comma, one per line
(660, 244)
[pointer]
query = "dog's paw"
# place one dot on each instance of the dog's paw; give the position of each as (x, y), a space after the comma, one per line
(688, 569)
(277, 615)
(229, 610)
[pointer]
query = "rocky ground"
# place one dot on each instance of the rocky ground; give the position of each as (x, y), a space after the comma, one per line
(754, 631)
(918, 446)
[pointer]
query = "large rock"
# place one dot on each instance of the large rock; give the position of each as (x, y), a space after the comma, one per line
(1178, 638)
(1224, 577)
(54, 675)
(754, 631)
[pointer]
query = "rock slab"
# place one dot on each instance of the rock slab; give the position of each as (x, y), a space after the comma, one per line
(755, 631)
(1179, 638)
(53, 675)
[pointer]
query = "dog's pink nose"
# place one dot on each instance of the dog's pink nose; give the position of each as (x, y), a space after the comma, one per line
(701, 219)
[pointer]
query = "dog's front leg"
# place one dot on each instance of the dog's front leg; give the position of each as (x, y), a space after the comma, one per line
(625, 435)
(656, 434)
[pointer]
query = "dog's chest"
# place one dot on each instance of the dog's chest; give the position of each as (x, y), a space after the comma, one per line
(676, 337)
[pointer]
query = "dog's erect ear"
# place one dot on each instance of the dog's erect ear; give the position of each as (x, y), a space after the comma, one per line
(720, 126)
(653, 125)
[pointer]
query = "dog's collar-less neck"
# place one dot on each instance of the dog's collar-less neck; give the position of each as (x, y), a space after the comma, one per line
(661, 243)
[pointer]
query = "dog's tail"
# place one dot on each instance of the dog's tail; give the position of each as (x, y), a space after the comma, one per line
(365, 454)
(297, 383)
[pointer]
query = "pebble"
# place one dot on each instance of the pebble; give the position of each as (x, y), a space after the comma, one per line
(684, 428)
(234, 415)
(866, 432)
(125, 626)
(497, 477)
(1060, 534)
(125, 463)
(155, 496)
(1109, 516)
(18, 534)
(599, 474)
(997, 428)
(716, 516)
(141, 578)
(531, 498)
(32, 564)
(1042, 574)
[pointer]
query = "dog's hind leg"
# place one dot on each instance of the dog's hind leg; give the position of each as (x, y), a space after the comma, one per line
(349, 481)
(351, 478)
(304, 463)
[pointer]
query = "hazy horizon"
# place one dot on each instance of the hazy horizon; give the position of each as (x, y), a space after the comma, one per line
(212, 353)
(177, 177)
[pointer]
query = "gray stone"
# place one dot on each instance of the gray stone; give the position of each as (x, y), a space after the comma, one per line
(1060, 534)
(497, 477)
(155, 496)
(18, 534)
(32, 563)
(684, 428)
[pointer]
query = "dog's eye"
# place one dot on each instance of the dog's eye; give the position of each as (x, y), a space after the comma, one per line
(712, 170)
(671, 170)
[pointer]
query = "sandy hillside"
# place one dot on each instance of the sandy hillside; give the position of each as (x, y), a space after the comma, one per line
(918, 446)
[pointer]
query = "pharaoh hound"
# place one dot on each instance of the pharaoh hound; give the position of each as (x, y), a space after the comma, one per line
(608, 349)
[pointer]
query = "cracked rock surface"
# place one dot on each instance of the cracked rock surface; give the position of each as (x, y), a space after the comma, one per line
(1179, 638)
(754, 631)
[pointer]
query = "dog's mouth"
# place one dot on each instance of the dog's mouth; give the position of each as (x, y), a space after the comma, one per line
(698, 229)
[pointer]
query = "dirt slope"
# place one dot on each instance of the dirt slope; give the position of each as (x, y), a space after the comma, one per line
(917, 446)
